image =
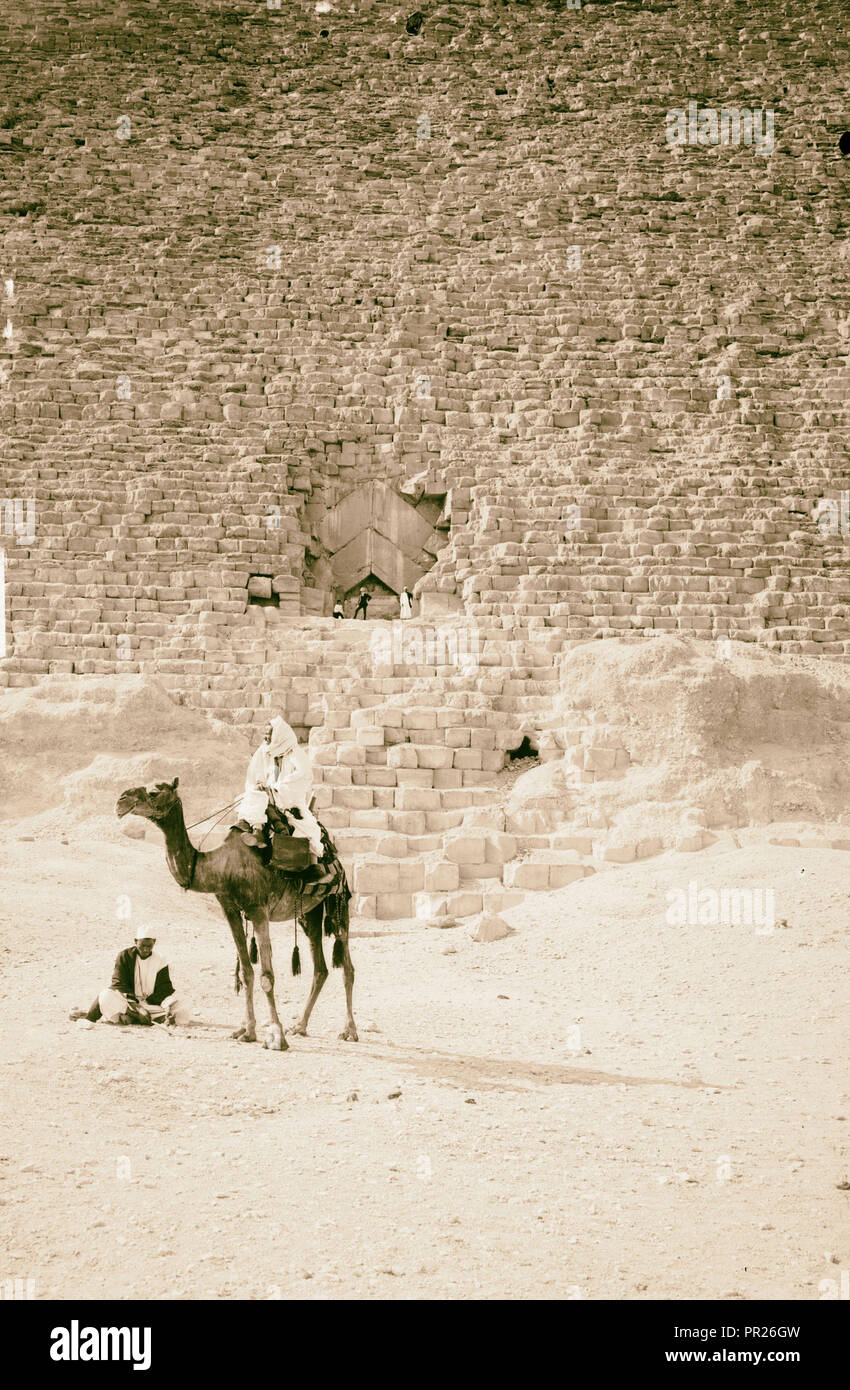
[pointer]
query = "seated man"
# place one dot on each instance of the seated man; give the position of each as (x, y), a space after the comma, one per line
(141, 990)
(279, 783)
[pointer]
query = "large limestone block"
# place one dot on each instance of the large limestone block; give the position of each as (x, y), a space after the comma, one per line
(562, 874)
(402, 755)
(465, 849)
(443, 876)
(526, 874)
(354, 798)
(370, 738)
(623, 853)
(434, 756)
(417, 799)
(349, 755)
(468, 758)
(500, 847)
(392, 846)
(419, 719)
(394, 906)
(411, 875)
(414, 777)
(427, 905)
(464, 903)
(479, 871)
(376, 876)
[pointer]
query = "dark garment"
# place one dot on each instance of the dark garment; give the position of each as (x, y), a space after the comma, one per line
(124, 980)
(362, 605)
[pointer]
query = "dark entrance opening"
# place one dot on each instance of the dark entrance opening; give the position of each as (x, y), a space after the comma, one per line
(525, 750)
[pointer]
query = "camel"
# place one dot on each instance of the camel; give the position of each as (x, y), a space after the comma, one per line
(246, 888)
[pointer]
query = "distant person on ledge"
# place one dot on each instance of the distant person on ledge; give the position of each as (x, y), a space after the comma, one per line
(141, 990)
(405, 605)
(338, 609)
(362, 604)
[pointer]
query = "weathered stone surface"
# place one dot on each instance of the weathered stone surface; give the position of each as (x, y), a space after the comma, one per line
(488, 927)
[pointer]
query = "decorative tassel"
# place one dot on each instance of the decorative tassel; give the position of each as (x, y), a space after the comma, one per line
(254, 950)
(296, 961)
(328, 906)
(338, 955)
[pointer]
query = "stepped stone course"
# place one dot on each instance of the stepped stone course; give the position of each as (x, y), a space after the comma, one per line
(257, 261)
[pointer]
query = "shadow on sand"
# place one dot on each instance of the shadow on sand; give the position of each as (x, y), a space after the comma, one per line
(496, 1073)
(458, 1069)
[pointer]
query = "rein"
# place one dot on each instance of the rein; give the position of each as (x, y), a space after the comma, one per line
(229, 807)
(195, 854)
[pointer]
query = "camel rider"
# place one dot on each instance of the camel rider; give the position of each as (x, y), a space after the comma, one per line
(141, 990)
(280, 778)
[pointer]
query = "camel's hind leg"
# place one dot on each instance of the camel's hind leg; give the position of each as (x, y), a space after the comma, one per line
(313, 929)
(349, 1032)
(264, 944)
(234, 918)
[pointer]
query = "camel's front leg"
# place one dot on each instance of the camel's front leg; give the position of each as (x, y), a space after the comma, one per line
(261, 933)
(234, 919)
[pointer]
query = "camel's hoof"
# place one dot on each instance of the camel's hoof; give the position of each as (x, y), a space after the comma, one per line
(242, 1035)
(296, 1031)
(349, 1034)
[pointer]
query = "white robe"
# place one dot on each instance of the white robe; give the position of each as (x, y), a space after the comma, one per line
(113, 1003)
(291, 784)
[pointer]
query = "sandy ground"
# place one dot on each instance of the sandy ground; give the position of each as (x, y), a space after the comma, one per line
(600, 1106)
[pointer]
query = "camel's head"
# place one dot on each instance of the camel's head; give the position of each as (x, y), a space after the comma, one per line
(154, 803)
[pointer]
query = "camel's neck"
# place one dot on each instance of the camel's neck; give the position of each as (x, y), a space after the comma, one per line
(182, 857)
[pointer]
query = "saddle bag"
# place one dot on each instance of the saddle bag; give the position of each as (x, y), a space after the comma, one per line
(291, 854)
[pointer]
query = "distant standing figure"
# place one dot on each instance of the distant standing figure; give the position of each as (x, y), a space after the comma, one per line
(405, 604)
(338, 613)
(362, 604)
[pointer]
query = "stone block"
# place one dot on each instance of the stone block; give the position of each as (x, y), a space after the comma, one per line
(464, 903)
(526, 874)
(465, 849)
(394, 906)
(562, 874)
(443, 876)
(500, 847)
(370, 738)
(375, 876)
(417, 799)
(392, 846)
(623, 853)
(402, 755)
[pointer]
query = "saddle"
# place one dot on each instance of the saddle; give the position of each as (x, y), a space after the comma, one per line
(289, 853)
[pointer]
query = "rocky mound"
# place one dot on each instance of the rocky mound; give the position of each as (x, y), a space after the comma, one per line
(70, 746)
(720, 734)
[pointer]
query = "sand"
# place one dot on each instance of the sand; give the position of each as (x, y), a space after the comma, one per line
(603, 1105)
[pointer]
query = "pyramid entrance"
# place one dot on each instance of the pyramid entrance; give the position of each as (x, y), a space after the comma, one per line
(373, 538)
